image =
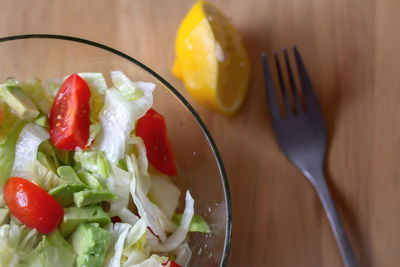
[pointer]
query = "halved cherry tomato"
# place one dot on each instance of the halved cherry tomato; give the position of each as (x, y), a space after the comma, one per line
(33, 206)
(153, 130)
(70, 114)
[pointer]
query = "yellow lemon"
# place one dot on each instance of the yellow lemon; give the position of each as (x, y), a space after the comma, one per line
(211, 59)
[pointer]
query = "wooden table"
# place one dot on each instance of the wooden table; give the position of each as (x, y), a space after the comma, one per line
(351, 49)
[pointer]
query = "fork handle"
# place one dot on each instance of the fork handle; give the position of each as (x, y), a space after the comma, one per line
(339, 232)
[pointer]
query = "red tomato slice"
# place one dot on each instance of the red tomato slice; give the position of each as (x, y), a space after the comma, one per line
(70, 114)
(152, 129)
(33, 206)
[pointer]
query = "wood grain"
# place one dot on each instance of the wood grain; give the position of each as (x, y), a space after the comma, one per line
(351, 51)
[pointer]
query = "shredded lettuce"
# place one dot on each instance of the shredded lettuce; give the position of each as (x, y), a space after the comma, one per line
(16, 243)
(41, 176)
(164, 194)
(7, 153)
(53, 250)
(98, 86)
(52, 86)
(153, 216)
(118, 118)
(127, 88)
(119, 232)
(118, 184)
(38, 94)
(177, 237)
(31, 136)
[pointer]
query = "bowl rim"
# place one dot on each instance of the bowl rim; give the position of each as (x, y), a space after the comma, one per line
(217, 156)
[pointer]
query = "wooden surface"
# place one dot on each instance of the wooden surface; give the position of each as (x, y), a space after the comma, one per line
(351, 49)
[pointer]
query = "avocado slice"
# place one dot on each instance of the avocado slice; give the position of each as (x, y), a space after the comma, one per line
(4, 215)
(89, 179)
(53, 250)
(64, 194)
(89, 241)
(64, 156)
(74, 216)
(91, 196)
(68, 174)
(19, 102)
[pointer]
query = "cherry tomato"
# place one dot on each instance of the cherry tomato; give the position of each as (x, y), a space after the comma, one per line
(33, 206)
(153, 130)
(70, 114)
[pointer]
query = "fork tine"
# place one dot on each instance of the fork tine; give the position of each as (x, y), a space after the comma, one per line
(295, 93)
(308, 91)
(285, 97)
(272, 100)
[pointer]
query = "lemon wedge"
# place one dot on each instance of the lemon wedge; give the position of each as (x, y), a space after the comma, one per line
(211, 59)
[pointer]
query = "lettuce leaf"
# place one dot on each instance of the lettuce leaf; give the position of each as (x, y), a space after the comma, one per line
(7, 153)
(164, 194)
(38, 94)
(118, 184)
(118, 118)
(179, 236)
(139, 188)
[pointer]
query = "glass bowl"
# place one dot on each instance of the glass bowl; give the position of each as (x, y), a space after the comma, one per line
(200, 166)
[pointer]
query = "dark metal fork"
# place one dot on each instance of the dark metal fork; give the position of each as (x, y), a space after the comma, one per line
(301, 135)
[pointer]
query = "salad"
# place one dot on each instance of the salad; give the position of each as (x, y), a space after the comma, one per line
(85, 176)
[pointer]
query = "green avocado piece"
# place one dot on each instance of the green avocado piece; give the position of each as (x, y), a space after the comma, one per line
(91, 196)
(89, 179)
(53, 250)
(19, 102)
(64, 194)
(64, 156)
(89, 241)
(73, 216)
(68, 174)
(4, 215)
(197, 224)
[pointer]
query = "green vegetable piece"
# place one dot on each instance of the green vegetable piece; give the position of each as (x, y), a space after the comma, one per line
(64, 194)
(51, 161)
(7, 153)
(89, 180)
(42, 120)
(19, 102)
(35, 90)
(4, 216)
(68, 174)
(198, 224)
(89, 242)
(74, 216)
(95, 162)
(65, 157)
(92, 196)
(53, 250)
(45, 160)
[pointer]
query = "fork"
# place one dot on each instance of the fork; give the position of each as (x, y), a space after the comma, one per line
(301, 135)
